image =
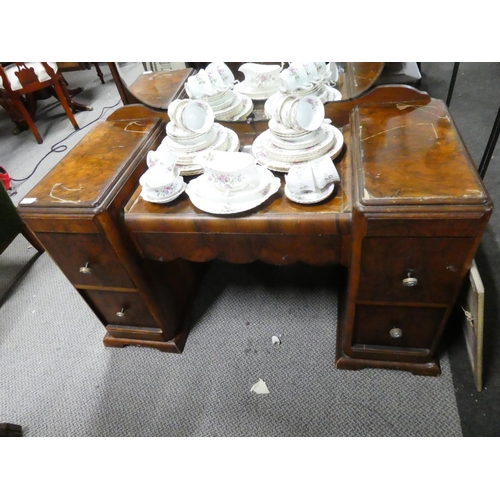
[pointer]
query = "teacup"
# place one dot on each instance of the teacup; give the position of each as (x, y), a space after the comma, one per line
(215, 77)
(293, 78)
(300, 179)
(324, 172)
(321, 69)
(161, 179)
(195, 116)
(199, 85)
(260, 76)
(162, 158)
(175, 108)
(303, 113)
(311, 70)
(225, 73)
(229, 171)
(274, 105)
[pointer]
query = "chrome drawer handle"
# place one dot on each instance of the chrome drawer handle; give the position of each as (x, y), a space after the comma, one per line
(121, 314)
(410, 281)
(86, 269)
(396, 333)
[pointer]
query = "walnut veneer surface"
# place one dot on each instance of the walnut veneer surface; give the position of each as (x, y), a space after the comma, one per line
(405, 221)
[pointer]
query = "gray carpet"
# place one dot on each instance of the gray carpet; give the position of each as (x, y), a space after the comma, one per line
(57, 379)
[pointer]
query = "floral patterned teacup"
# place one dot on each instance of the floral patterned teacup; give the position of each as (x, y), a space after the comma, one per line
(162, 176)
(324, 172)
(293, 78)
(215, 77)
(225, 73)
(227, 171)
(312, 71)
(199, 85)
(300, 179)
(303, 113)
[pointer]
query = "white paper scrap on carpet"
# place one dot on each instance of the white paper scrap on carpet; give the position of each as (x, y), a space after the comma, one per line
(260, 387)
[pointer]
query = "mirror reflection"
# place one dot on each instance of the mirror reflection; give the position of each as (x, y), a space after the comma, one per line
(238, 91)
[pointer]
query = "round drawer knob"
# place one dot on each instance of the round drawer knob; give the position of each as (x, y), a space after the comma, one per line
(121, 314)
(86, 269)
(410, 281)
(396, 333)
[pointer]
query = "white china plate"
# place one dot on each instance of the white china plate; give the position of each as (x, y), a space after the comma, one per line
(186, 158)
(242, 88)
(283, 166)
(232, 145)
(225, 205)
(202, 142)
(309, 140)
(167, 199)
(310, 198)
(296, 155)
(247, 109)
(233, 108)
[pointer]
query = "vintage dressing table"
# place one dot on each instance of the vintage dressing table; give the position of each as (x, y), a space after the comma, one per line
(405, 222)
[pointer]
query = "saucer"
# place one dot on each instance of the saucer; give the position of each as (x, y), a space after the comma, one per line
(180, 186)
(312, 197)
(247, 109)
(263, 157)
(206, 197)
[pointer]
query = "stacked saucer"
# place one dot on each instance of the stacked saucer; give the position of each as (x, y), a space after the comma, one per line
(215, 86)
(191, 131)
(297, 134)
(232, 183)
(261, 80)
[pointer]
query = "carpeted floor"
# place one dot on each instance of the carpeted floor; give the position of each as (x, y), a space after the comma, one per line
(57, 379)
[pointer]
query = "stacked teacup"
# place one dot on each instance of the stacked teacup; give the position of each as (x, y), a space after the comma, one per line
(310, 78)
(191, 130)
(162, 182)
(297, 132)
(299, 139)
(215, 86)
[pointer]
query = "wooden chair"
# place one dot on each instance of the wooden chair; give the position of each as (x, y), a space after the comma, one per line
(22, 84)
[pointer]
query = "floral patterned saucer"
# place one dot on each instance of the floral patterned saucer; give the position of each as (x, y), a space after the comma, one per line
(178, 188)
(312, 197)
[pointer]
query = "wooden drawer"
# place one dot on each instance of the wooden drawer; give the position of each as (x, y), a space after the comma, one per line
(71, 252)
(418, 326)
(436, 263)
(119, 308)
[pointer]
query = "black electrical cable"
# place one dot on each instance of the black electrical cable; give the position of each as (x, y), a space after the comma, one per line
(59, 149)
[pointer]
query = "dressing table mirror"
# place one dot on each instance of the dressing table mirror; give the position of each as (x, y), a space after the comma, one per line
(155, 85)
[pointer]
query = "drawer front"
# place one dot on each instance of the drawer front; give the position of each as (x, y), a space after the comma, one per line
(119, 308)
(86, 259)
(434, 266)
(397, 327)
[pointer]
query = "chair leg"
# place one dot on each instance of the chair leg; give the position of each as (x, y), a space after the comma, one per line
(28, 119)
(63, 99)
(99, 72)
